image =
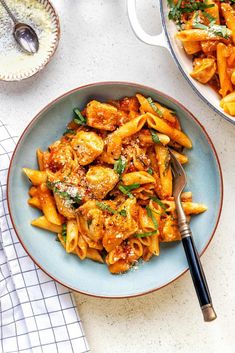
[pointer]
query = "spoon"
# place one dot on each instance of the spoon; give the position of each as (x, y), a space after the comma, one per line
(24, 34)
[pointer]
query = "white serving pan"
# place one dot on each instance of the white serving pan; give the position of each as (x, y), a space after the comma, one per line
(167, 40)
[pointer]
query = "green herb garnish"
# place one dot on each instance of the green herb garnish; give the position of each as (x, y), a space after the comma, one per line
(69, 131)
(213, 28)
(151, 215)
(154, 107)
(104, 207)
(155, 137)
(150, 171)
(79, 119)
(176, 10)
(64, 231)
(147, 234)
(120, 165)
(89, 221)
(208, 16)
(159, 202)
(125, 189)
(123, 213)
(74, 201)
(196, 6)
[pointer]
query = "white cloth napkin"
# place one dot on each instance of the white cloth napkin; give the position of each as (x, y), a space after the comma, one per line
(37, 315)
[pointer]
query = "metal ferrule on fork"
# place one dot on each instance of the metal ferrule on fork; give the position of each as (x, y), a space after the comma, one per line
(184, 228)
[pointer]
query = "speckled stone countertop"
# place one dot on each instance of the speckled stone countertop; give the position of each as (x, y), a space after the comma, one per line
(97, 44)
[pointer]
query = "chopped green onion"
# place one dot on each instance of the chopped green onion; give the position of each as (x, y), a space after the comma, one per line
(69, 131)
(159, 202)
(154, 107)
(155, 137)
(147, 234)
(123, 213)
(64, 231)
(80, 119)
(120, 165)
(151, 215)
(208, 16)
(125, 189)
(109, 209)
(150, 171)
(105, 207)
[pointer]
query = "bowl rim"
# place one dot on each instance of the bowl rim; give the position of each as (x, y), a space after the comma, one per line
(138, 87)
(58, 35)
(184, 73)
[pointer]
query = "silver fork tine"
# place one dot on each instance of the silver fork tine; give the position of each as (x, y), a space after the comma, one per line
(178, 170)
(194, 262)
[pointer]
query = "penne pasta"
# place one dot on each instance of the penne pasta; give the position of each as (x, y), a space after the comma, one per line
(42, 222)
(35, 176)
(72, 236)
(225, 82)
(188, 206)
(119, 267)
(40, 159)
(33, 191)
(132, 127)
(213, 10)
(161, 126)
(229, 15)
(48, 205)
(94, 255)
(35, 202)
(192, 47)
(138, 177)
(198, 35)
(180, 157)
(147, 140)
(165, 173)
(159, 111)
(154, 245)
(81, 248)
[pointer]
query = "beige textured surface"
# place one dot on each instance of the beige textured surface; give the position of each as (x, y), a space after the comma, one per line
(105, 49)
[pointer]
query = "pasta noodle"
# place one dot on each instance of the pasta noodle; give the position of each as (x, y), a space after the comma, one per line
(206, 30)
(105, 187)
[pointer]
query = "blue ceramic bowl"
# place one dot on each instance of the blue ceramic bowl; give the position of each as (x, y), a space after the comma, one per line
(204, 180)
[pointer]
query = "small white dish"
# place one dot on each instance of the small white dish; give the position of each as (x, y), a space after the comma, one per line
(15, 64)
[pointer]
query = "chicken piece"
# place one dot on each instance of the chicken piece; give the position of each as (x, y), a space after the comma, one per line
(60, 155)
(204, 69)
(118, 227)
(88, 146)
(129, 104)
(67, 198)
(169, 230)
(101, 180)
(90, 220)
(102, 116)
(64, 209)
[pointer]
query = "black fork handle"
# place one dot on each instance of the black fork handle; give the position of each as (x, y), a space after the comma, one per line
(199, 278)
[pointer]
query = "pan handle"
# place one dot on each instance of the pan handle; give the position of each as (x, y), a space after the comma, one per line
(158, 39)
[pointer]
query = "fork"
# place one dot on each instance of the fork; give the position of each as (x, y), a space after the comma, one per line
(196, 270)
